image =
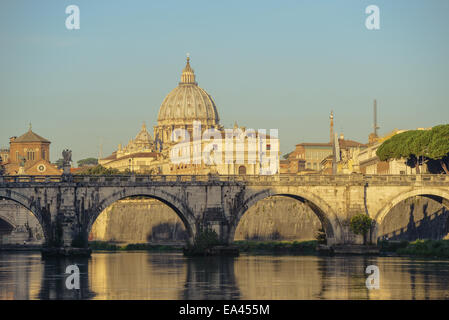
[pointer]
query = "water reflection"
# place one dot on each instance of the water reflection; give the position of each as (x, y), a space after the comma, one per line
(54, 280)
(18, 276)
(137, 275)
(143, 275)
(210, 278)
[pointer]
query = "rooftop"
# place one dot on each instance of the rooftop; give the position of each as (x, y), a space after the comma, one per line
(30, 136)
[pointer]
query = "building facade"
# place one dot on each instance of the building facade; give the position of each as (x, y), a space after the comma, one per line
(189, 139)
(29, 154)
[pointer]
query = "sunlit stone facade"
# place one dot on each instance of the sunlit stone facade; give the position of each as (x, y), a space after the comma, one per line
(188, 139)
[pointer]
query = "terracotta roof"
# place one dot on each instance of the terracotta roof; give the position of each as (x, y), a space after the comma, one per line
(318, 144)
(344, 143)
(30, 136)
(350, 143)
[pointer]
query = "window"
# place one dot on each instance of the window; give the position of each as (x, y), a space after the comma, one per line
(17, 156)
(43, 154)
(30, 155)
(242, 170)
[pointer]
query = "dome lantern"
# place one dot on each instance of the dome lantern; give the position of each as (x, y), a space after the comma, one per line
(188, 75)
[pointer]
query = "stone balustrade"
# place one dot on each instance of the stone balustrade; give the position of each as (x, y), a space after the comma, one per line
(309, 179)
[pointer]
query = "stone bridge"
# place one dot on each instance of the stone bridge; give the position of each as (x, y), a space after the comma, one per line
(67, 206)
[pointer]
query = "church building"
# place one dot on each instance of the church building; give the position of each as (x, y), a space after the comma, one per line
(29, 154)
(191, 110)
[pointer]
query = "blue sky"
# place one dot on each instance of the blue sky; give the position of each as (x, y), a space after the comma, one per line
(268, 64)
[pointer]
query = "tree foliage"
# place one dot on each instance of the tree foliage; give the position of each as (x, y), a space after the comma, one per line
(100, 170)
(87, 162)
(205, 239)
(285, 156)
(361, 224)
(59, 163)
(431, 146)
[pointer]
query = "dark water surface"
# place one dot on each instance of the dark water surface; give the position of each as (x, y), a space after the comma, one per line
(145, 275)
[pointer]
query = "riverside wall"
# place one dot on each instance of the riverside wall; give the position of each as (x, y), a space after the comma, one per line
(275, 218)
(149, 220)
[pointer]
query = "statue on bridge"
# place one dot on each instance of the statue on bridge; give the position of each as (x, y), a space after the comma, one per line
(67, 156)
(66, 163)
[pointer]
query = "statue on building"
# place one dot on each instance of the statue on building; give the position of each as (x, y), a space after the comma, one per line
(158, 143)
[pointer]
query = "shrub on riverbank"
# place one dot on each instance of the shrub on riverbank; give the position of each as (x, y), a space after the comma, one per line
(205, 240)
(151, 247)
(427, 248)
(391, 246)
(106, 246)
(277, 246)
(102, 245)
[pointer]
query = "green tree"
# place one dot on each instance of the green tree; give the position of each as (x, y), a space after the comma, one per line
(285, 156)
(100, 170)
(87, 162)
(429, 146)
(438, 147)
(361, 224)
(59, 163)
(205, 239)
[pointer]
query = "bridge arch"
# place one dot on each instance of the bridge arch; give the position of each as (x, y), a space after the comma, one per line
(441, 196)
(26, 202)
(324, 212)
(7, 220)
(433, 193)
(181, 210)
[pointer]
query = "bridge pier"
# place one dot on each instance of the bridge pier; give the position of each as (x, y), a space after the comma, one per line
(215, 219)
(69, 238)
(68, 233)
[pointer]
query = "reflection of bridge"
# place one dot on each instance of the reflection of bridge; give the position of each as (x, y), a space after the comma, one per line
(68, 206)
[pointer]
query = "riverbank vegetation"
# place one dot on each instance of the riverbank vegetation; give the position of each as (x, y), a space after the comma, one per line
(293, 247)
(418, 248)
(205, 243)
(107, 246)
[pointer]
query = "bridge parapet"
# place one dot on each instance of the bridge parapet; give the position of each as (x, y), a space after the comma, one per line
(287, 179)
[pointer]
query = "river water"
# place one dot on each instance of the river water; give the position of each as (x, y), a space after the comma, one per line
(147, 275)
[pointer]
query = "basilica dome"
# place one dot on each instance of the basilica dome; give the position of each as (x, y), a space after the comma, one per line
(187, 103)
